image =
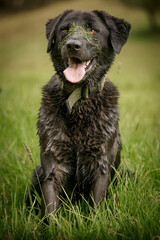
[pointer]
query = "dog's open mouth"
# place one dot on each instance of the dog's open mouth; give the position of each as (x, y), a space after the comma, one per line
(76, 69)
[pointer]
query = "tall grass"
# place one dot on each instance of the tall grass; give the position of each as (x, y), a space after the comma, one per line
(133, 206)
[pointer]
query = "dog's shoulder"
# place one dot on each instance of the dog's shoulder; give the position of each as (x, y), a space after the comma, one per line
(52, 88)
(110, 93)
(52, 96)
(49, 116)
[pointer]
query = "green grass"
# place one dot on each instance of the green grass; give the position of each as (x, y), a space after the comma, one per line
(132, 208)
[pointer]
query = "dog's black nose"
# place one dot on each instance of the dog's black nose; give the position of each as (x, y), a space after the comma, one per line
(74, 45)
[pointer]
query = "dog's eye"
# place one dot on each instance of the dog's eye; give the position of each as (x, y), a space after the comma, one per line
(65, 30)
(92, 31)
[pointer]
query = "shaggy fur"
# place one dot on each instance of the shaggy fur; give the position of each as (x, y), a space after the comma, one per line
(82, 147)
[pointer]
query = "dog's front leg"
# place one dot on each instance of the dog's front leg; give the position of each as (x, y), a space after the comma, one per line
(50, 201)
(108, 158)
(99, 189)
(93, 172)
(58, 168)
(51, 183)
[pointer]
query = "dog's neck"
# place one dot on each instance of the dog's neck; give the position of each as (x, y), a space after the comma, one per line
(77, 92)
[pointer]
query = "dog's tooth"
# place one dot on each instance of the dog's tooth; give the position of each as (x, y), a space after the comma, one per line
(69, 61)
(87, 63)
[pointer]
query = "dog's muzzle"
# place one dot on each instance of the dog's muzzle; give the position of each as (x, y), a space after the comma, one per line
(75, 67)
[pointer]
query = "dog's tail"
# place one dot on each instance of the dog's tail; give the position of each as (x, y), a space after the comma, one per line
(35, 188)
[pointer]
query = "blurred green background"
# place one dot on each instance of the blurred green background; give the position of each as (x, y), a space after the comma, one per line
(25, 67)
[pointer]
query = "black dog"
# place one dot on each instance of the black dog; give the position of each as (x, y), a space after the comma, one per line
(78, 120)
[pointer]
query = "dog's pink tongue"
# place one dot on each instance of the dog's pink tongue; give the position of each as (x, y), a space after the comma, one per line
(75, 72)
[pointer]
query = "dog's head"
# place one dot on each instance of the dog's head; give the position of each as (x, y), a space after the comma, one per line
(82, 43)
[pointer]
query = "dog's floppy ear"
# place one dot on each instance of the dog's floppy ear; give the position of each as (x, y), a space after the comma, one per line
(50, 28)
(119, 33)
(118, 28)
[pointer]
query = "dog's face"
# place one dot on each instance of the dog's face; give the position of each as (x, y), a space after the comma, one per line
(83, 43)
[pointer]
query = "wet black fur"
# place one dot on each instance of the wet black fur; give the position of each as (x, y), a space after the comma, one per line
(83, 147)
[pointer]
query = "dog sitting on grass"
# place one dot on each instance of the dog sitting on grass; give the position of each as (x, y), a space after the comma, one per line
(78, 119)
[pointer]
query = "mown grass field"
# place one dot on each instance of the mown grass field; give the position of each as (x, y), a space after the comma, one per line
(132, 209)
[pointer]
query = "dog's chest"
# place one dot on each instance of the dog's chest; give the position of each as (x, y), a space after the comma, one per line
(88, 121)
